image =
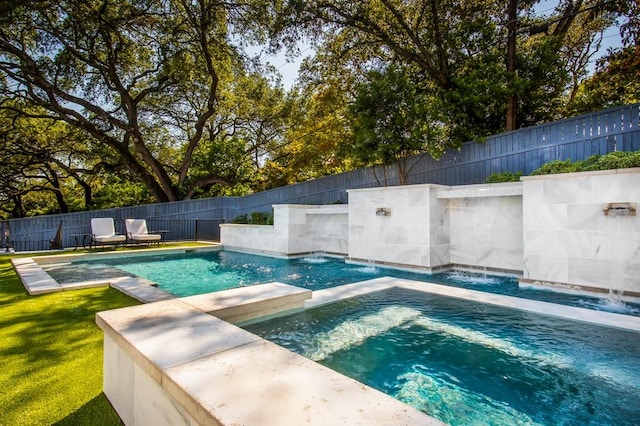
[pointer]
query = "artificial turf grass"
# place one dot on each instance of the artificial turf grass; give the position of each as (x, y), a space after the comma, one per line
(51, 354)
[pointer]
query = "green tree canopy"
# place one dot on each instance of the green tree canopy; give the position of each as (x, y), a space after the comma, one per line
(476, 54)
(393, 118)
(143, 78)
(612, 84)
(47, 165)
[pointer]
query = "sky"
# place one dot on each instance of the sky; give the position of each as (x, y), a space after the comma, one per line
(288, 68)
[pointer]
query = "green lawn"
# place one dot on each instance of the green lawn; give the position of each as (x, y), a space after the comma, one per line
(51, 354)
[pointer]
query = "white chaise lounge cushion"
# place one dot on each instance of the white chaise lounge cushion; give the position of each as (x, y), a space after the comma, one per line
(137, 230)
(104, 231)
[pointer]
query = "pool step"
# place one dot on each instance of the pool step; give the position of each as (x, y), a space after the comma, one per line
(244, 304)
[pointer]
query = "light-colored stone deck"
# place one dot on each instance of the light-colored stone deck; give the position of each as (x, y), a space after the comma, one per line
(37, 281)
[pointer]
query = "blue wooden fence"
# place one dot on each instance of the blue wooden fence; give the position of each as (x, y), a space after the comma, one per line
(524, 150)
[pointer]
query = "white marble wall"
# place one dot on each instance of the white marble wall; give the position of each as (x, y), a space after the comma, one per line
(136, 397)
(296, 229)
(432, 226)
(550, 228)
(329, 228)
(486, 232)
(258, 238)
(415, 233)
(569, 240)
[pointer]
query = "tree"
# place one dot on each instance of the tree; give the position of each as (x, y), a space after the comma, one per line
(610, 85)
(43, 157)
(141, 77)
(460, 48)
(392, 120)
(311, 144)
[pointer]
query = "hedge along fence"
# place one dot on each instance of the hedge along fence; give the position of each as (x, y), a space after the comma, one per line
(524, 150)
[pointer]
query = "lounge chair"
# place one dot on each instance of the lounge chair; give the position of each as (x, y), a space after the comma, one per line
(137, 232)
(104, 232)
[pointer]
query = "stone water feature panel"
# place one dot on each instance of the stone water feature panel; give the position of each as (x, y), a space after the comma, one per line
(568, 237)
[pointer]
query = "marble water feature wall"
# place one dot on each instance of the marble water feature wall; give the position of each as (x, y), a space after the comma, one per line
(577, 230)
(581, 229)
(434, 226)
(405, 226)
(296, 229)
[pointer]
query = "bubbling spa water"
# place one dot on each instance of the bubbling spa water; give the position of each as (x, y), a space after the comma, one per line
(465, 362)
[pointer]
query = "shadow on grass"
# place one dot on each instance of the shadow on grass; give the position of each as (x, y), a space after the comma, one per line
(98, 411)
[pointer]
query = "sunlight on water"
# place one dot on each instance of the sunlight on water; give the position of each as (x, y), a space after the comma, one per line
(542, 357)
(187, 274)
(353, 332)
(294, 277)
(317, 257)
(314, 259)
(500, 344)
(455, 405)
(470, 364)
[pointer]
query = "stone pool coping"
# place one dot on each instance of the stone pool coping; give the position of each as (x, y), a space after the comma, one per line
(218, 373)
(37, 281)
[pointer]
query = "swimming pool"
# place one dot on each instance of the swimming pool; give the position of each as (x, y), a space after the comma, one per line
(470, 363)
(197, 272)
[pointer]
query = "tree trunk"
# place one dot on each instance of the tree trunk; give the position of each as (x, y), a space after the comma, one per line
(57, 189)
(512, 99)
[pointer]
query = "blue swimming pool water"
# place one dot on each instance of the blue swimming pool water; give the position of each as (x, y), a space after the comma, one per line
(197, 272)
(469, 363)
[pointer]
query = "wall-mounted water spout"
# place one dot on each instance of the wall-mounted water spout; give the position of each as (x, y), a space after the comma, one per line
(620, 209)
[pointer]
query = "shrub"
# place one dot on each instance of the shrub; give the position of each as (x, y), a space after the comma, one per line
(504, 177)
(591, 163)
(610, 161)
(242, 219)
(619, 160)
(555, 167)
(255, 218)
(261, 218)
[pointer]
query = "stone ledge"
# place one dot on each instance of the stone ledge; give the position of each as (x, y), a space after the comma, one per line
(246, 303)
(267, 384)
(578, 288)
(34, 279)
(346, 291)
(218, 373)
(509, 189)
(342, 209)
(146, 332)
